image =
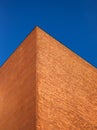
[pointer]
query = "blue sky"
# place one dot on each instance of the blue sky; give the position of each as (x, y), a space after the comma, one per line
(72, 22)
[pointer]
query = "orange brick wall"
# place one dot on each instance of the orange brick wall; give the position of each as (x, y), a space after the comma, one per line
(45, 86)
(17, 88)
(66, 88)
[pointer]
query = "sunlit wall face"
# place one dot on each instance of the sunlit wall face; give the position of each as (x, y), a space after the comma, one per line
(74, 23)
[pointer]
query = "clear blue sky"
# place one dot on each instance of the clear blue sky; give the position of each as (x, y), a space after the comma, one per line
(72, 22)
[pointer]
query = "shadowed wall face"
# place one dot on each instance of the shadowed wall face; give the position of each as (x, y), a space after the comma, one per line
(17, 88)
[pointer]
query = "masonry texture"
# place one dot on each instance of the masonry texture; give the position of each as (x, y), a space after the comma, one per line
(45, 86)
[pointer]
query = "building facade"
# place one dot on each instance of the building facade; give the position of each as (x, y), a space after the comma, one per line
(46, 86)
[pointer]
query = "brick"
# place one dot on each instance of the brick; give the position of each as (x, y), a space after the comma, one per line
(46, 86)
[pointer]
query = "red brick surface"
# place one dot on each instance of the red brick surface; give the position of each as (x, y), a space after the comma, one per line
(66, 88)
(18, 88)
(45, 86)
